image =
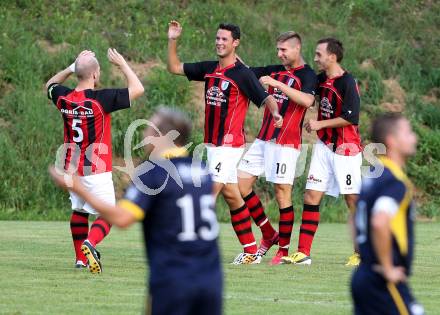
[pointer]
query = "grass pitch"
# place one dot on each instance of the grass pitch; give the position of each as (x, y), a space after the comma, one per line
(37, 274)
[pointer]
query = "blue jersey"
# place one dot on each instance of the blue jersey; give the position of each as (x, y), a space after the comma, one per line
(392, 193)
(179, 222)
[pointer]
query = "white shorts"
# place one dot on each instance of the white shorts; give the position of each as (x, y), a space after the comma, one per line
(334, 173)
(275, 161)
(222, 163)
(100, 185)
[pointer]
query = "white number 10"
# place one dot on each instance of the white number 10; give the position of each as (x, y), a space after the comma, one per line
(186, 204)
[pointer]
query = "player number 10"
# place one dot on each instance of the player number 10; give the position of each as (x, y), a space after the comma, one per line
(207, 214)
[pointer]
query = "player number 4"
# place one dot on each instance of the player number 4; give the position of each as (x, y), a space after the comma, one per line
(207, 214)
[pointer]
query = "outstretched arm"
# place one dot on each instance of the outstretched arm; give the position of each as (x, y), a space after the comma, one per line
(299, 97)
(62, 76)
(135, 87)
(174, 65)
(113, 214)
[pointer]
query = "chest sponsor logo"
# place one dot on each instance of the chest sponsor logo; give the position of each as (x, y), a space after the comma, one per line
(215, 96)
(326, 108)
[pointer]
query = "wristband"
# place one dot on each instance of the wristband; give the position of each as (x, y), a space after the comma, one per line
(72, 67)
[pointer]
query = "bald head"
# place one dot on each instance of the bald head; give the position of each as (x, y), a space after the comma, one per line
(86, 66)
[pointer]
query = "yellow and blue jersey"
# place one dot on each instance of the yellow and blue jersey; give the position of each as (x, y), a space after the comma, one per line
(174, 201)
(392, 193)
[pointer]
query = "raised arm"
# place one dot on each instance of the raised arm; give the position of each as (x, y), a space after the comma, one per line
(135, 87)
(299, 97)
(174, 65)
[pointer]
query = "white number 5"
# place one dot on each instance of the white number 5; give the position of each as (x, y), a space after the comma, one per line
(78, 129)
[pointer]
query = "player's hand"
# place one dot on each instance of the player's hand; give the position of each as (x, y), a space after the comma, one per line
(278, 120)
(267, 80)
(64, 180)
(115, 58)
(174, 30)
(393, 274)
(312, 125)
(85, 53)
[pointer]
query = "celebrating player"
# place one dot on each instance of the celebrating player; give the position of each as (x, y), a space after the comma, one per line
(229, 85)
(275, 151)
(87, 143)
(179, 223)
(384, 222)
(336, 162)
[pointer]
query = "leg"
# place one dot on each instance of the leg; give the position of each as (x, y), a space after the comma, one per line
(310, 220)
(283, 194)
(79, 227)
(240, 217)
(256, 209)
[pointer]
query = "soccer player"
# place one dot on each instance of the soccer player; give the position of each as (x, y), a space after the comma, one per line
(87, 143)
(336, 162)
(229, 85)
(384, 222)
(275, 151)
(179, 223)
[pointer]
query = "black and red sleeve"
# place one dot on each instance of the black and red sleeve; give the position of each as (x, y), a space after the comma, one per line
(351, 101)
(113, 99)
(251, 87)
(309, 82)
(55, 90)
(196, 71)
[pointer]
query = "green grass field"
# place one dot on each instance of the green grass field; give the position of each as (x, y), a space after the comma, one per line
(37, 275)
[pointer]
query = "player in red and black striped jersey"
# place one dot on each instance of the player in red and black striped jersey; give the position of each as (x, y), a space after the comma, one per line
(275, 151)
(87, 149)
(336, 162)
(229, 86)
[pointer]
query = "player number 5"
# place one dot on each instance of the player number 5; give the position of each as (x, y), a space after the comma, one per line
(80, 136)
(207, 214)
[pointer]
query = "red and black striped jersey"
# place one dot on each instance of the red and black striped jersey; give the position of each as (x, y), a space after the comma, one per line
(339, 97)
(302, 78)
(227, 95)
(87, 126)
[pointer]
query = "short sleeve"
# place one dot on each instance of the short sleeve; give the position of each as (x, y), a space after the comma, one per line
(56, 90)
(351, 102)
(251, 87)
(390, 198)
(309, 83)
(196, 71)
(260, 71)
(113, 99)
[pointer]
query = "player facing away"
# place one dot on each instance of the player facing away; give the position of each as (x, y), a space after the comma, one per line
(87, 143)
(275, 151)
(229, 86)
(336, 162)
(179, 222)
(384, 223)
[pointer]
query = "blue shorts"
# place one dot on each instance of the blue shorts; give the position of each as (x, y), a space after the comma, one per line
(186, 299)
(373, 295)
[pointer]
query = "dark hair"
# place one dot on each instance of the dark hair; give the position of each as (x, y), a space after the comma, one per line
(234, 29)
(173, 119)
(334, 46)
(383, 126)
(288, 35)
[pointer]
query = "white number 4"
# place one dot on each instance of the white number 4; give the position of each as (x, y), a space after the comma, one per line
(186, 204)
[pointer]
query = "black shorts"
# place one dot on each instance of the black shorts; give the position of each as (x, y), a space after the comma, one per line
(186, 299)
(373, 295)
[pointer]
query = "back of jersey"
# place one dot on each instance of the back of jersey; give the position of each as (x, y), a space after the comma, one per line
(180, 224)
(87, 126)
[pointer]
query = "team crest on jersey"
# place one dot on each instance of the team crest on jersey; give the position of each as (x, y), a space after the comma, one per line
(224, 85)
